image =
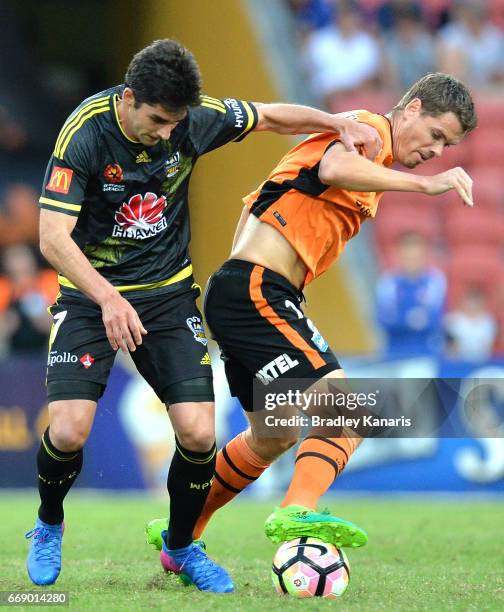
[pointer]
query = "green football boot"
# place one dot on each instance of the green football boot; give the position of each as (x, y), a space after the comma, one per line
(154, 530)
(153, 533)
(292, 522)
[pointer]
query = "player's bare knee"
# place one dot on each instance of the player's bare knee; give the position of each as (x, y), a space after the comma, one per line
(68, 437)
(199, 440)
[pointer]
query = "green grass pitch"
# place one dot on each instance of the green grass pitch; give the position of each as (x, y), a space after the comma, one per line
(422, 555)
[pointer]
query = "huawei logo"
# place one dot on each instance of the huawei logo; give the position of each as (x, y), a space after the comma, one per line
(141, 217)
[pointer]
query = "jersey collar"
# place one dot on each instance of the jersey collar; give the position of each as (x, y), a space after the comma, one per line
(115, 100)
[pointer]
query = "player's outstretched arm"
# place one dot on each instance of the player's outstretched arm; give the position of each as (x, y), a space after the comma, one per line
(294, 119)
(355, 173)
(123, 326)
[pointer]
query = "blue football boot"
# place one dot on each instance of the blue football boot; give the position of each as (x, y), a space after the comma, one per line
(44, 558)
(193, 565)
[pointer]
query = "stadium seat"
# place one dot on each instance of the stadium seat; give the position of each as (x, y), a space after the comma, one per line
(490, 111)
(496, 11)
(487, 147)
(400, 212)
(487, 192)
(375, 101)
(469, 266)
(475, 226)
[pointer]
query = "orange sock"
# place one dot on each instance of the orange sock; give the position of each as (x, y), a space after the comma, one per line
(237, 466)
(319, 460)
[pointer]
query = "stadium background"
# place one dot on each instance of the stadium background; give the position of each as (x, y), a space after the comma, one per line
(56, 53)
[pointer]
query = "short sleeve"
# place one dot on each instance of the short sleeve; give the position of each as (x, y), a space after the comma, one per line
(216, 122)
(68, 172)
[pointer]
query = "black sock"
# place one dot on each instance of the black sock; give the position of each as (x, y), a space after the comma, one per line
(189, 481)
(57, 472)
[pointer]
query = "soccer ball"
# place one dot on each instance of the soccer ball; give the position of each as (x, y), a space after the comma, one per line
(307, 567)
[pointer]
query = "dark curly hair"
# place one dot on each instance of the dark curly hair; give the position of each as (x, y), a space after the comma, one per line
(164, 73)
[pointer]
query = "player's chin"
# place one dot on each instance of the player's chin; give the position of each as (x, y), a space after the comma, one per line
(149, 141)
(411, 163)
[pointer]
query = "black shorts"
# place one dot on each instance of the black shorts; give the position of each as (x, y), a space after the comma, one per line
(174, 349)
(256, 317)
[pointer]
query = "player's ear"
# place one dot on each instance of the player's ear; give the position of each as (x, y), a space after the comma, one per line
(414, 106)
(128, 96)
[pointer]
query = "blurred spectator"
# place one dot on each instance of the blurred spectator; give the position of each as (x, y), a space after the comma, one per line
(342, 58)
(470, 330)
(25, 294)
(312, 14)
(436, 13)
(18, 215)
(13, 136)
(410, 300)
(472, 47)
(499, 310)
(387, 11)
(409, 50)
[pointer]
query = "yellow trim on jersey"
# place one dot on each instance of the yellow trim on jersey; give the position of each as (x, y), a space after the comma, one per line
(65, 205)
(215, 101)
(250, 118)
(213, 106)
(184, 273)
(75, 119)
(116, 98)
(85, 117)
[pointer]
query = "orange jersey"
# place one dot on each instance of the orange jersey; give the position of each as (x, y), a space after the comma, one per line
(317, 219)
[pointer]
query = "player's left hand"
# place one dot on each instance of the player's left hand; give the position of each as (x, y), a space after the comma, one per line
(354, 135)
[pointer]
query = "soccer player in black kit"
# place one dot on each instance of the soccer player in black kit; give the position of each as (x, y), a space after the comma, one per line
(114, 222)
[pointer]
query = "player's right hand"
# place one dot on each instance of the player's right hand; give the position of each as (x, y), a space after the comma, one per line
(122, 324)
(355, 136)
(456, 178)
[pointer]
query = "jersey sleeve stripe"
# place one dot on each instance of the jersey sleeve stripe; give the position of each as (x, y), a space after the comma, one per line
(214, 106)
(84, 118)
(250, 119)
(75, 118)
(56, 204)
(216, 101)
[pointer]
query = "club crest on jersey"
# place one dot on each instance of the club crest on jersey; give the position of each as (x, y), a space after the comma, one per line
(141, 217)
(113, 173)
(172, 165)
(196, 326)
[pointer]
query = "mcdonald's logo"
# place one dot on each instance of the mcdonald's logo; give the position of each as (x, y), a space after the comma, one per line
(60, 180)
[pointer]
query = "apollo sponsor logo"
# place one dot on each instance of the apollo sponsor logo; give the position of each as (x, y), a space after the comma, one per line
(55, 357)
(237, 110)
(272, 370)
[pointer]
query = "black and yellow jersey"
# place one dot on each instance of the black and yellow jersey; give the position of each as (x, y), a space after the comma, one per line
(131, 200)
